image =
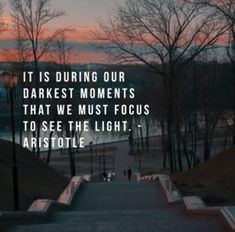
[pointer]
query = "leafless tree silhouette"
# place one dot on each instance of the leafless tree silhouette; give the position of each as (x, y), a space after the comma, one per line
(31, 18)
(226, 8)
(2, 24)
(166, 36)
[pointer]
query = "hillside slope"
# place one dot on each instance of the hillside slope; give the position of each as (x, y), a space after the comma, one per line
(214, 180)
(36, 179)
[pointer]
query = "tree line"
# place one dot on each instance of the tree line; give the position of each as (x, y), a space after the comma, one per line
(182, 43)
(170, 37)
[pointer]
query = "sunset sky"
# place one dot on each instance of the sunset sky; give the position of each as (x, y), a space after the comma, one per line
(82, 15)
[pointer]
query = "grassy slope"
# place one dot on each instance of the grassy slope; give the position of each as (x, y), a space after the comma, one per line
(36, 179)
(214, 180)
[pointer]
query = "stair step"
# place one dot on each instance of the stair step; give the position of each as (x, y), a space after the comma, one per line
(119, 195)
(121, 207)
(118, 215)
(119, 184)
(120, 227)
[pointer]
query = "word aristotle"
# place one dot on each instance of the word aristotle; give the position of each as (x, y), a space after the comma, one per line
(53, 142)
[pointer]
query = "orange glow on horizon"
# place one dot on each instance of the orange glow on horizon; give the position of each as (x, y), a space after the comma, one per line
(73, 58)
(83, 35)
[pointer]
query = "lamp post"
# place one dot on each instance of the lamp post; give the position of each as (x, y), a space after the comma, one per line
(130, 138)
(91, 151)
(141, 137)
(104, 155)
(99, 160)
(138, 139)
(139, 130)
(96, 143)
(10, 81)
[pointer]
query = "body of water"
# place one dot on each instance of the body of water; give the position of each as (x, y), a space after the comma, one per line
(95, 137)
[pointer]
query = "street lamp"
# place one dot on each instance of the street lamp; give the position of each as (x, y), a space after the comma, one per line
(10, 80)
(139, 129)
(141, 136)
(91, 151)
(96, 141)
(130, 138)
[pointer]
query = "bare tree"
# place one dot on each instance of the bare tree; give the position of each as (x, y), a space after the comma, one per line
(2, 24)
(211, 109)
(32, 18)
(231, 52)
(164, 35)
(61, 50)
(22, 55)
(226, 8)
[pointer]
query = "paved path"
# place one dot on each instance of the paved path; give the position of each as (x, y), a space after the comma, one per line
(123, 161)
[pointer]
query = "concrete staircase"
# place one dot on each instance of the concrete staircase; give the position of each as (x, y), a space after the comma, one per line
(121, 207)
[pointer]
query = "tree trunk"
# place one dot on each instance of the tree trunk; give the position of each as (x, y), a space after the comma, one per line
(36, 70)
(71, 155)
(170, 143)
(147, 134)
(233, 135)
(233, 65)
(194, 130)
(180, 164)
(49, 149)
(170, 122)
(206, 143)
(163, 142)
(225, 139)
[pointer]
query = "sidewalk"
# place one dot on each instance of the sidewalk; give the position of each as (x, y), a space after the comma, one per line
(123, 161)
